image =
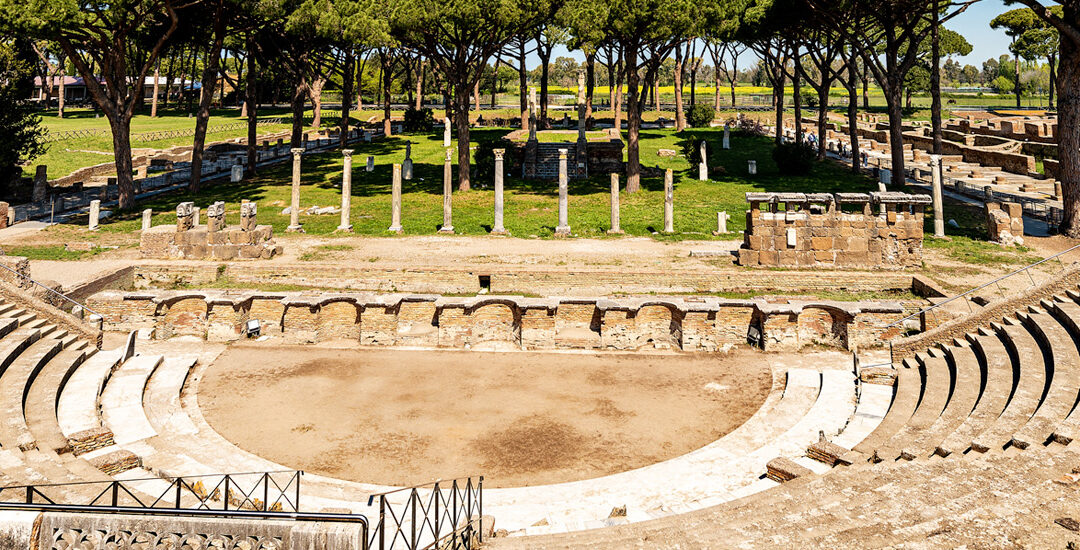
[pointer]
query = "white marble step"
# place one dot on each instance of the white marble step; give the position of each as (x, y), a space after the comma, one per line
(122, 399)
(77, 408)
(874, 403)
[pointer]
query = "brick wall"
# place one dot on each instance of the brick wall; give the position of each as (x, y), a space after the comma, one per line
(704, 324)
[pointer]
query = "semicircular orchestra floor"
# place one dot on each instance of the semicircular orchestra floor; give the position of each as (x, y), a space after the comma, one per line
(404, 417)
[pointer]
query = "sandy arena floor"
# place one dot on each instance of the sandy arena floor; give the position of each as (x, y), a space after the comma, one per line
(407, 417)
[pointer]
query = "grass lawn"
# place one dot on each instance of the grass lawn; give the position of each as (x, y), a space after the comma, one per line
(531, 206)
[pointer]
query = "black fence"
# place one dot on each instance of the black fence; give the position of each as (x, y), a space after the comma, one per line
(446, 515)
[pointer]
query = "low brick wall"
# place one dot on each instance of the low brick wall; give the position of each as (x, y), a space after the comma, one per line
(1015, 163)
(700, 324)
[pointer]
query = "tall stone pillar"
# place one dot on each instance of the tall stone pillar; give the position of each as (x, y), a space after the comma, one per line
(41, 182)
(447, 192)
(703, 165)
(669, 202)
(497, 228)
(615, 228)
(95, 214)
(294, 210)
(346, 191)
(395, 201)
(563, 229)
(935, 180)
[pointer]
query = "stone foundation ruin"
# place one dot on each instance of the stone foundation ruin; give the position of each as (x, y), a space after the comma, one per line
(814, 230)
(215, 240)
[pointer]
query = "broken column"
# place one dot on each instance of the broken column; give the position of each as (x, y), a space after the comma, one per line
(95, 214)
(41, 183)
(1005, 222)
(445, 134)
(447, 190)
(669, 202)
(407, 165)
(727, 136)
(146, 219)
(721, 223)
(237, 173)
(294, 211)
(935, 180)
(215, 217)
(370, 167)
(615, 229)
(346, 191)
(395, 200)
(185, 217)
(703, 166)
(563, 229)
(248, 213)
(497, 228)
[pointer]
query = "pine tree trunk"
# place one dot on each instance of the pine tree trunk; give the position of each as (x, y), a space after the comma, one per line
(544, 66)
(680, 68)
(297, 137)
(619, 73)
(387, 80)
(120, 124)
(316, 102)
(1068, 88)
(1053, 80)
(61, 97)
(202, 117)
(523, 86)
(896, 136)
(252, 104)
(461, 122)
(154, 101)
(935, 82)
(346, 96)
(590, 83)
(633, 160)
(853, 115)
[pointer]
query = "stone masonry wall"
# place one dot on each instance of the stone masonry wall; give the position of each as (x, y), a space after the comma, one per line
(700, 324)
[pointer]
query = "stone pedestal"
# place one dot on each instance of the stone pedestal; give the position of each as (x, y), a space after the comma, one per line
(95, 214)
(248, 212)
(447, 189)
(294, 211)
(721, 223)
(195, 215)
(669, 202)
(497, 228)
(215, 217)
(563, 229)
(703, 165)
(41, 182)
(395, 200)
(185, 218)
(147, 219)
(935, 181)
(727, 136)
(446, 132)
(615, 228)
(346, 191)
(237, 173)
(407, 165)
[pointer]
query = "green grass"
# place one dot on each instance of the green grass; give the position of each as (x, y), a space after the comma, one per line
(530, 206)
(54, 252)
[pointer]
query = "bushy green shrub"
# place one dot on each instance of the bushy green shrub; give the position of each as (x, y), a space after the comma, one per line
(483, 169)
(691, 149)
(793, 159)
(700, 115)
(419, 120)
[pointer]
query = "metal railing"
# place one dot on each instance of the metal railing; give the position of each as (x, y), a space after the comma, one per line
(997, 281)
(51, 291)
(445, 514)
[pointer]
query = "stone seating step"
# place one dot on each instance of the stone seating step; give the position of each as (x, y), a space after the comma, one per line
(162, 398)
(122, 399)
(1064, 377)
(77, 408)
(906, 394)
(965, 393)
(1068, 312)
(937, 377)
(14, 343)
(873, 405)
(997, 368)
(14, 381)
(1031, 381)
(44, 394)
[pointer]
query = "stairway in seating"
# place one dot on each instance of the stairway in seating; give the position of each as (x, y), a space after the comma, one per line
(547, 160)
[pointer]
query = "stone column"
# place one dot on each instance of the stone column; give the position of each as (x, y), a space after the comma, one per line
(581, 87)
(5, 208)
(721, 223)
(727, 136)
(669, 202)
(294, 211)
(215, 217)
(370, 167)
(41, 182)
(195, 215)
(446, 132)
(615, 228)
(935, 179)
(497, 228)
(581, 123)
(395, 201)
(95, 214)
(346, 191)
(447, 192)
(407, 165)
(563, 229)
(146, 219)
(703, 166)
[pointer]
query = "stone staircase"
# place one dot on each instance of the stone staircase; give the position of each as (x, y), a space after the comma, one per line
(547, 161)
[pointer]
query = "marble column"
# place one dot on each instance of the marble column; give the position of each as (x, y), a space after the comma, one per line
(615, 228)
(563, 229)
(395, 201)
(95, 215)
(294, 208)
(446, 132)
(935, 181)
(346, 191)
(497, 228)
(581, 87)
(669, 202)
(146, 219)
(721, 223)
(447, 193)
(703, 165)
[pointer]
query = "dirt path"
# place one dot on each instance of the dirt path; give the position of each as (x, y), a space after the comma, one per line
(407, 417)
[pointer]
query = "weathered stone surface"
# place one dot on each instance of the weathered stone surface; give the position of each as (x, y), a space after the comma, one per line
(1005, 222)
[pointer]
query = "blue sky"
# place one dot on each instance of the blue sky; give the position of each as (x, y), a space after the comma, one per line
(973, 24)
